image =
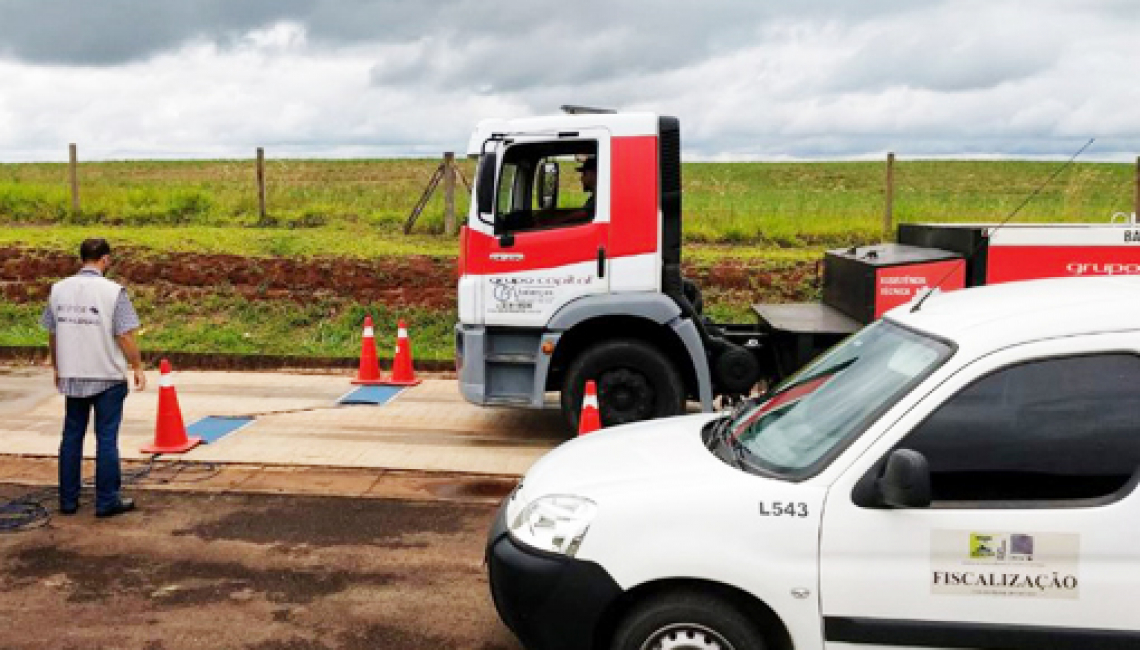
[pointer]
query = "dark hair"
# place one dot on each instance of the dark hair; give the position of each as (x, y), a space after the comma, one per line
(93, 250)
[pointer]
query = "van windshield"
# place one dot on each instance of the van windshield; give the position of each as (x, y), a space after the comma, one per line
(824, 405)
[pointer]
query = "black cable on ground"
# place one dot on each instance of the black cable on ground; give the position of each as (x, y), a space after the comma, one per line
(180, 471)
(34, 509)
(23, 513)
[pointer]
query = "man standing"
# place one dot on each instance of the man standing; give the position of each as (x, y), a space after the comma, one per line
(92, 336)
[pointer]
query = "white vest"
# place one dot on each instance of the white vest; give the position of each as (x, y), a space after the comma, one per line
(85, 347)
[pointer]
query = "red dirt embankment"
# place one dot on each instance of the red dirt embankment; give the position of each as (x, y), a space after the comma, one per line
(27, 274)
(416, 280)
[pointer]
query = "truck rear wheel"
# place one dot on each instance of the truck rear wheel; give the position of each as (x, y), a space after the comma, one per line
(635, 382)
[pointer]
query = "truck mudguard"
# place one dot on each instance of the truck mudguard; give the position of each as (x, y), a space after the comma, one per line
(655, 307)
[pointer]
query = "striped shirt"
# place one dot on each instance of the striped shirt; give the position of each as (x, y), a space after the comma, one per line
(125, 319)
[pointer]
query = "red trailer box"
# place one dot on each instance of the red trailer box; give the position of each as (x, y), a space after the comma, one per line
(1031, 251)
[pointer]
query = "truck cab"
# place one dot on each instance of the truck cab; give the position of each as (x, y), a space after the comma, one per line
(564, 280)
(559, 286)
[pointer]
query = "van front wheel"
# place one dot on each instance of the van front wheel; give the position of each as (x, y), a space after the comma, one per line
(686, 621)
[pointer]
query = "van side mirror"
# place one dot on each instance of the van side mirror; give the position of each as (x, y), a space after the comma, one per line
(485, 190)
(548, 186)
(905, 482)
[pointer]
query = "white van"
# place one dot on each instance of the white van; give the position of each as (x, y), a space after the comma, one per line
(958, 476)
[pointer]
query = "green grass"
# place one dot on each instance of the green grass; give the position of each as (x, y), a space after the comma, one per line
(760, 204)
(760, 214)
(329, 242)
(342, 241)
(792, 204)
(225, 322)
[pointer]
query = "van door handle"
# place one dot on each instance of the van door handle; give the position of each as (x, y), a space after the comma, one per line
(601, 261)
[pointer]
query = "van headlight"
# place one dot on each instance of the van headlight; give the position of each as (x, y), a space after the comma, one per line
(557, 524)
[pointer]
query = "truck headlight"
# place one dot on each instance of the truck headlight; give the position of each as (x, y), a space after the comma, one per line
(555, 523)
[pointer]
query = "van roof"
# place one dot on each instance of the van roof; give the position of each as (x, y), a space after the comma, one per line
(1000, 315)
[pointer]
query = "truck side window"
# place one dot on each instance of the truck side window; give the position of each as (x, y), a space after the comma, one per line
(508, 184)
(1052, 430)
(519, 206)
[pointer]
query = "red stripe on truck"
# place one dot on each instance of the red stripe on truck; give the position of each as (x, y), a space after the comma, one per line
(633, 196)
(1012, 263)
(632, 230)
(461, 263)
(539, 249)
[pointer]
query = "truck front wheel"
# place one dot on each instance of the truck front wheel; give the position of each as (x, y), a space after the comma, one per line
(686, 621)
(635, 382)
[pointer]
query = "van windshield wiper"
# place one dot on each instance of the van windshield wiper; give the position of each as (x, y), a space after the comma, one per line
(721, 434)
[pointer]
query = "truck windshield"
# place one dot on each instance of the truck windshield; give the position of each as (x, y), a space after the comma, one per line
(828, 402)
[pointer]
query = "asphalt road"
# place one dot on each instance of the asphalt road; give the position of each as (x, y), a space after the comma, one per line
(257, 572)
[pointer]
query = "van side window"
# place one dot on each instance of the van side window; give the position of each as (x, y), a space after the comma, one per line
(1057, 429)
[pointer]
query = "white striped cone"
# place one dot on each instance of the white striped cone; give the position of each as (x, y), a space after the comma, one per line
(591, 418)
(369, 371)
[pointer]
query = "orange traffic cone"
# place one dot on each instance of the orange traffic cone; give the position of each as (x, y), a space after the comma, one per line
(369, 373)
(590, 420)
(169, 430)
(402, 372)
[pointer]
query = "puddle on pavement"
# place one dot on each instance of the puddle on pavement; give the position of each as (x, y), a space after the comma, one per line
(93, 578)
(492, 489)
(335, 522)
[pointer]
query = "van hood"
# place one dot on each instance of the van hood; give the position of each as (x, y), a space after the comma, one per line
(668, 450)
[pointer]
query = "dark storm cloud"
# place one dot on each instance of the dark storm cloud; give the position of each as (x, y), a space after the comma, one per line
(509, 46)
(749, 78)
(110, 32)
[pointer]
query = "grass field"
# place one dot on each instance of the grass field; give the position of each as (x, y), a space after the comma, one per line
(355, 207)
(762, 215)
(226, 323)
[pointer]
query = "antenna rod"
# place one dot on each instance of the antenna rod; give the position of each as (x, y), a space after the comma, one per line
(1024, 203)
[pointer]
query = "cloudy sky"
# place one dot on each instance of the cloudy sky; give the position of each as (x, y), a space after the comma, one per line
(750, 79)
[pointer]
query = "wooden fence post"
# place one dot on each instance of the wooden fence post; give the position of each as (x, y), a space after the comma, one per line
(449, 193)
(261, 220)
(889, 213)
(73, 175)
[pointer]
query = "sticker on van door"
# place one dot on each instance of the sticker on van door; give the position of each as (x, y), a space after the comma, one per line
(1009, 564)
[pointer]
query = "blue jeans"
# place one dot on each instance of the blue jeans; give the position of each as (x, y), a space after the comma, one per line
(108, 407)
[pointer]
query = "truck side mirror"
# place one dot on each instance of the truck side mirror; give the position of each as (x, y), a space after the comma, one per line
(485, 191)
(548, 186)
(905, 482)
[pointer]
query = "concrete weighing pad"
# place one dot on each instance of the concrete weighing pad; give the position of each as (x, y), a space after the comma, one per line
(298, 422)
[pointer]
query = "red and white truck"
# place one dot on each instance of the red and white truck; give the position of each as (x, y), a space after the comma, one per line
(554, 292)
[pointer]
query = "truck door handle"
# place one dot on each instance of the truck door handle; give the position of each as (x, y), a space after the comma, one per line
(601, 261)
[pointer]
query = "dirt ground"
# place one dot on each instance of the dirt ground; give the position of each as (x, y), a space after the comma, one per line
(257, 572)
(412, 280)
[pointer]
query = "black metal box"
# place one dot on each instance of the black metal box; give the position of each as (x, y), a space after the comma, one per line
(864, 282)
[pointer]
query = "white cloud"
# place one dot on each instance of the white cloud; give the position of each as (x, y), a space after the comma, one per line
(749, 79)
